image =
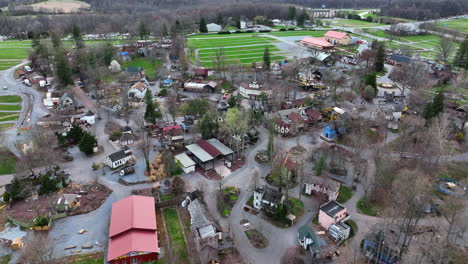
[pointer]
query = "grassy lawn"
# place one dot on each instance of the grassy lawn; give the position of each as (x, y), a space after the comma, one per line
(460, 25)
(10, 99)
(89, 261)
(354, 228)
(344, 195)
(5, 259)
(10, 107)
(298, 209)
(354, 23)
(7, 163)
(367, 208)
(228, 41)
(297, 33)
(9, 118)
(5, 126)
(175, 233)
(166, 197)
(150, 66)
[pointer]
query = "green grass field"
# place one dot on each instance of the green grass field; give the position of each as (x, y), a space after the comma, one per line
(9, 118)
(237, 49)
(150, 66)
(460, 25)
(174, 231)
(354, 23)
(10, 99)
(4, 107)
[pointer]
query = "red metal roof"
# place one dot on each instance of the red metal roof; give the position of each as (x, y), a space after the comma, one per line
(20, 72)
(134, 212)
(214, 152)
(201, 71)
(133, 241)
(294, 117)
(336, 35)
(172, 127)
(313, 114)
(317, 42)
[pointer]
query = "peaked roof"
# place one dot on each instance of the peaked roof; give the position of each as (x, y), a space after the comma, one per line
(294, 117)
(133, 241)
(305, 231)
(318, 42)
(134, 212)
(210, 149)
(140, 86)
(336, 35)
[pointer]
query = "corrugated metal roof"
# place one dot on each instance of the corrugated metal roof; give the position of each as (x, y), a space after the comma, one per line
(225, 150)
(132, 212)
(336, 34)
(207, 231)
(213, 151)
(201, 154)
(185, 160)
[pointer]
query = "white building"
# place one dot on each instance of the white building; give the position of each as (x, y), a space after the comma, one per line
(267, 199)
(138, 90)
(119, 158)
(305, 236)
(212, 27)
(89, 118)
(322, 186)
(187, 164)
(252, 90)
(243, 25)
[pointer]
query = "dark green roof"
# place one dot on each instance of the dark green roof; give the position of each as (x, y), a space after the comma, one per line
(133, 69)
(305, 231)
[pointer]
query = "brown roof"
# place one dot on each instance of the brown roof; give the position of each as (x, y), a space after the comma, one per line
(140, 86)
(210, 149)
(313, 114)
(294, 117)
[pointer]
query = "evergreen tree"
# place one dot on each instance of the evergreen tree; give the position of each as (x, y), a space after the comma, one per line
(63, 69)
(219, 20)
(143, 31)
(266, 58)
(56, 40)
(108, 53)
(208, 125)
(238, 24)
(48, 185)
(292, 13)
(461, 58)
(371, 79)
(77, 38)
(36, 40)
(87, 143)
(75, 133)
(148, 97)
(271, 139)
(15, 191)
(203, 28)
(380, 57)
(302, 18)
(178, 27)
(151, 114)
(164, 30)
(434, 108)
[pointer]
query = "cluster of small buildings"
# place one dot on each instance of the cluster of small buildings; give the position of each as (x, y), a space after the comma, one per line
(290, 122)
(328, 41)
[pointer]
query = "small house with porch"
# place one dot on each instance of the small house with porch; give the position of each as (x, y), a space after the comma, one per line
(119, 158)
(321, 186)
(138, 90)
(267, 199)
(305, 236)
(336, 37)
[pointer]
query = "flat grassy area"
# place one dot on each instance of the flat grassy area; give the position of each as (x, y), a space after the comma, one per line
(354, 23)
(90, 258)
(4, 107)
(175, 233)
(367, 208)
(298, 33)
(344, 195)
(7, 163)
(10, 99)
(5, 126)
(5, 259)
(150, 66)
(9, 118)
(228, 41)
(460, 25)
(298, 209)
(166, 197)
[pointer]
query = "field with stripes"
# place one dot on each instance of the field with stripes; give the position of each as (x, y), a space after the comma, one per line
(235, 49)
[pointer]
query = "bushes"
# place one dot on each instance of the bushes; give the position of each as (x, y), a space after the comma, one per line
(226, 199)
(224, 32)
(163, 92)
(41, 221)
(367, 208)
(48, 185)
(87, 143)
(115, 135)
(282, 29)
(291, 29)
(344, 195)
(6, 197)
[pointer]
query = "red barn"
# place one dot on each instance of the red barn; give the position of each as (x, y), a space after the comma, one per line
(132, 233)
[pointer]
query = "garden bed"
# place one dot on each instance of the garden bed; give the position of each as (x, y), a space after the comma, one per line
(257, 239)
(226, 199)
(174, 230)
(344, 194)
(367, 208)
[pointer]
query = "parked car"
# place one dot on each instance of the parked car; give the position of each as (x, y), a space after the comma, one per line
(223, 105)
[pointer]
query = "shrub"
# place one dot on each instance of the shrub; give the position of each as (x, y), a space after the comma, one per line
(291, 29)
(264, 30)
(238, 31)
(48, 185)
(224, 32)
(6, 197)
(115, 135)
(163, 92)
(282, 29)
(460, 136)
(41, 221)
(225, 212)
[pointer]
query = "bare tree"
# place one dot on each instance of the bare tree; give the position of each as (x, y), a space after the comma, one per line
(38, 250)
(172, 105)
(409, 76)
(145, 140)
(219, 60)
(438, 134)
(445, 50)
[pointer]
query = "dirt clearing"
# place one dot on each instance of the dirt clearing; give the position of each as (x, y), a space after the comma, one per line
(65, 6)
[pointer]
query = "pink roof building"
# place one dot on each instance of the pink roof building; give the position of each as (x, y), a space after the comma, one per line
(317, 43)
(132, 231)
(336, 35)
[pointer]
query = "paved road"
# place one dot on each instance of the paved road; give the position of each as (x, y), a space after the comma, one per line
(32, 107)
